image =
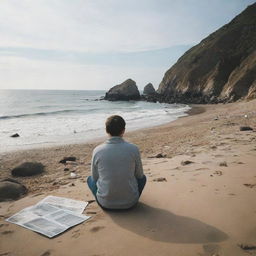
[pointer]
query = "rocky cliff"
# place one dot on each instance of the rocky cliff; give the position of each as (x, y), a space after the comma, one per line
(221, 68)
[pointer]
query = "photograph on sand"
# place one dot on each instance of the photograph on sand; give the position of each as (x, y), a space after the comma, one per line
(128, 128)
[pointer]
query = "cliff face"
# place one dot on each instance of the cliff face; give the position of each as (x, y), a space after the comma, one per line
(221, 68)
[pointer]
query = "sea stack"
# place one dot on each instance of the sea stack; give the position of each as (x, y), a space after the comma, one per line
(149, 93)
(127, 90)
(149, 89)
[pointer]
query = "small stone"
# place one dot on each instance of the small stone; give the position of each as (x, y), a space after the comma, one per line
(161, 179)
(160, 155)
(15, 135)
(245, 128)
(224, 163)
(219, 173)
(66, 169)
(69, 158)
(247, 247)
(73, 175)
(186, 162)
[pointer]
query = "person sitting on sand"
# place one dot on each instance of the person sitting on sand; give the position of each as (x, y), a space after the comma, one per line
(117, 177)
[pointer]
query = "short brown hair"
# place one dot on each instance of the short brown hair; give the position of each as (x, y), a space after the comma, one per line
(115, 125)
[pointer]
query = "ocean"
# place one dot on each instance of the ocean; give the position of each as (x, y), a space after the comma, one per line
(51, 117)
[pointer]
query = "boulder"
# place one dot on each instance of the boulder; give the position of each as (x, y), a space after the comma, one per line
(127, 90)
(149, 89)
(28, 169)
(11, 190)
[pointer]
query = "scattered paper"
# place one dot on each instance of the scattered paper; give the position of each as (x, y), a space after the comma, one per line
(49, 217)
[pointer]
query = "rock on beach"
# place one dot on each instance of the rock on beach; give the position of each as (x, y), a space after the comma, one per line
(15, 135)
(245, 128)
(11, 190)
(28, 169)
(68, 159)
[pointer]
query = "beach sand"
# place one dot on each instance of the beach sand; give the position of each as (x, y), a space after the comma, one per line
(203, 207)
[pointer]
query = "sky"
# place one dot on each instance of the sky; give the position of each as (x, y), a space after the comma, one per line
(96, 44)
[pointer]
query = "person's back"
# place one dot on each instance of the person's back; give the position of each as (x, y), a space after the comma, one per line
(116, 167)
(117, 174)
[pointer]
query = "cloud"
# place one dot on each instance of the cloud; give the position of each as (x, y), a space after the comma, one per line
(95, 44)
(52, 69)
(160, 57)
(113, 25)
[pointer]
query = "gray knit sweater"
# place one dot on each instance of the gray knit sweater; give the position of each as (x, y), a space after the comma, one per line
(115, 166)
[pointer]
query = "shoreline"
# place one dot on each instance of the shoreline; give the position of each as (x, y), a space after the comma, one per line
(195, 110)
(100, 138)
(140, 137)
(205, 207)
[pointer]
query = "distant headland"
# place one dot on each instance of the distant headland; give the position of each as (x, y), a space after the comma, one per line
(221, 68)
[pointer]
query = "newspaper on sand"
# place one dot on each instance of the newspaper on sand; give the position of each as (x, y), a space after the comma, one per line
(65, 203)
(48, 219)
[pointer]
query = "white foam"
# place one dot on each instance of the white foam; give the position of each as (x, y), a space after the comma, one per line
(85, 122)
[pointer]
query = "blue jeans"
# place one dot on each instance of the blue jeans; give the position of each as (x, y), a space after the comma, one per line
(93, 186)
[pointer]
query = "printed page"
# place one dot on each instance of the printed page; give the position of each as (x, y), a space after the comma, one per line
(45, 227)
(47, 219)
(65, 203)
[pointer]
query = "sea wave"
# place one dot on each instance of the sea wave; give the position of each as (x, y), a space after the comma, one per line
(56, 118)
(39, 114)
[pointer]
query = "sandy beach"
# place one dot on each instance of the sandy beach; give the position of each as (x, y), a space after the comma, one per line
(199, 198)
